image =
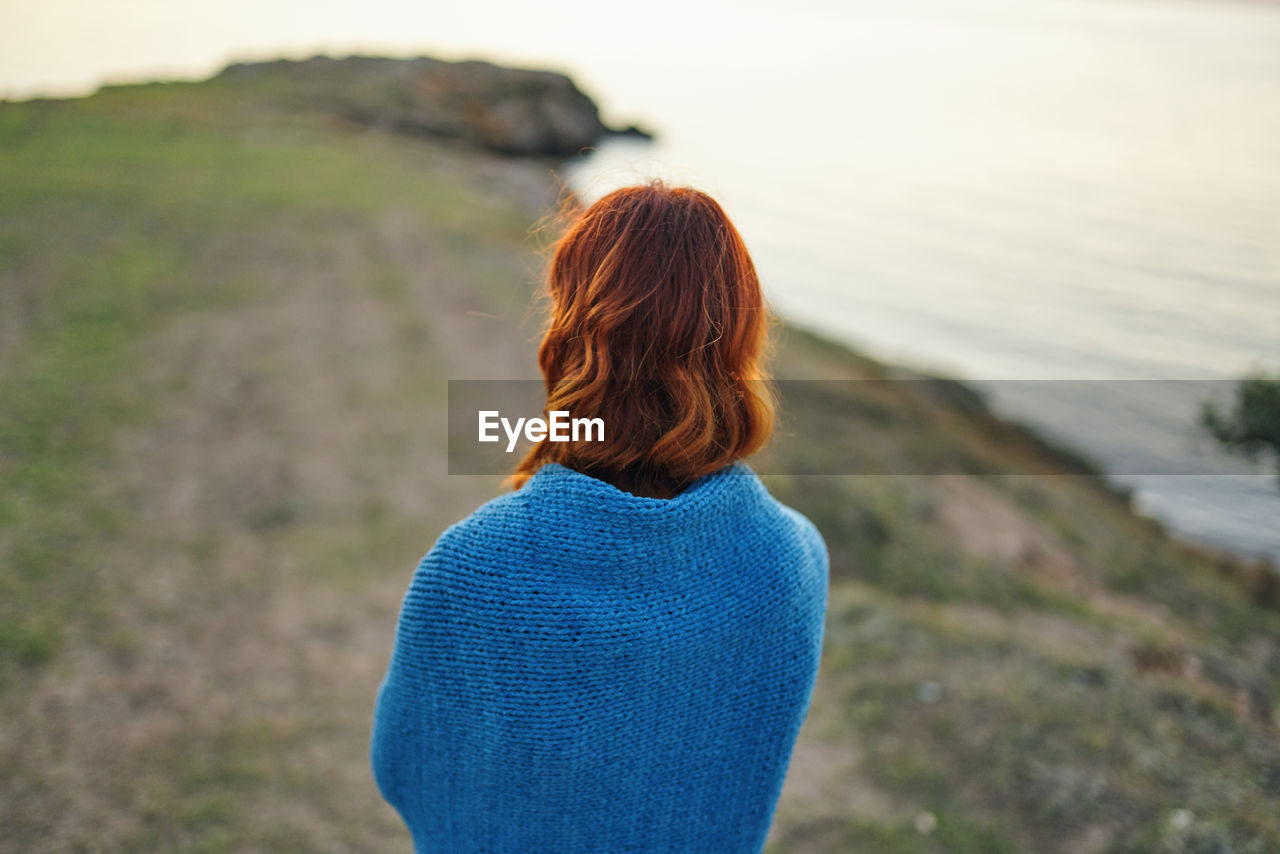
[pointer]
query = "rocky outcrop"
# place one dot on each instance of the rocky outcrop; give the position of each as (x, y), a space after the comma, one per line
(507, 110)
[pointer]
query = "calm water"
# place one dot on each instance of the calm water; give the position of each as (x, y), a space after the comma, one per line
(1024, 190)
(1002, 189)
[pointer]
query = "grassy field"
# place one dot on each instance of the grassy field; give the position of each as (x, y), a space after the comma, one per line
(225, 335)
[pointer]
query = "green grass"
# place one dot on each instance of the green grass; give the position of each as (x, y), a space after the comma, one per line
(1012, 708)
(118, 215)
(65, 394)
(126, 221)
(1034, 739)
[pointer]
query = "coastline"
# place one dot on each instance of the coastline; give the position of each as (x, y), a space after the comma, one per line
(1039, 454)
(226, 369)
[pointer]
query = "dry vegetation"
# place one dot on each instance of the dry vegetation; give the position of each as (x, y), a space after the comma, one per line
(224, 341)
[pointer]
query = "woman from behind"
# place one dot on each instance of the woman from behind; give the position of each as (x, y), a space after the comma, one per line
(618, 654)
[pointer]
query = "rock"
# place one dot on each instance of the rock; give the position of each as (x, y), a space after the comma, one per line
(507, 110)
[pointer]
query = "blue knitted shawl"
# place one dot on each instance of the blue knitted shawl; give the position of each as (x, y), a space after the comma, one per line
(578, 669)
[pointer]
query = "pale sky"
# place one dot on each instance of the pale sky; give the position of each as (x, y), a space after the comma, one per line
(69, 46)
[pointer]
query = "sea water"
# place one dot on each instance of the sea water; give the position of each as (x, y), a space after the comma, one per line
(1026, 190)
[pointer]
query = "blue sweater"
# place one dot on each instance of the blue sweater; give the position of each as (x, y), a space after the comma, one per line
(578, 669)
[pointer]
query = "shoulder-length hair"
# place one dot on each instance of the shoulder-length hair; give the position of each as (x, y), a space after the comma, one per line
(658, 327)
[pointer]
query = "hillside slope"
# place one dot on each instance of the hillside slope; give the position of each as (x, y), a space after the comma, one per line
(225, 333)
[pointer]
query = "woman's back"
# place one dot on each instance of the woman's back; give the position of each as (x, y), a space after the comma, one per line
(578, 669)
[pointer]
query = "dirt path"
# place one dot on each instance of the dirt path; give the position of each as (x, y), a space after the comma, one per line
(291, 478)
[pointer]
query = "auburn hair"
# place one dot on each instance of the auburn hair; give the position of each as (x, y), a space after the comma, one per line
(658, 326)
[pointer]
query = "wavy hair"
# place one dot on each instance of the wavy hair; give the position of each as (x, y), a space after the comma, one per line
(658, 326)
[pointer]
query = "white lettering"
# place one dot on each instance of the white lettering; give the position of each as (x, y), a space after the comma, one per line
(512, 434)
(587, 424)
(535, 430)
(559, 427)
(556, 433)
(487, 423)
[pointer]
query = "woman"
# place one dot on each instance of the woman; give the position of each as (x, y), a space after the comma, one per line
(618, 655)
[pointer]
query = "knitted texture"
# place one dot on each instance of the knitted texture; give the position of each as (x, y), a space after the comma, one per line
(578, 669)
